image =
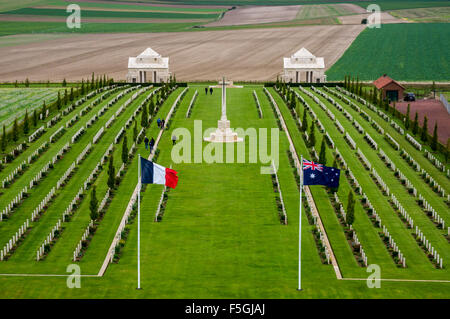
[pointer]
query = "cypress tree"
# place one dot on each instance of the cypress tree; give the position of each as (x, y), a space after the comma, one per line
(125, 150)
(26, 123)
(35, 118)
(27, 83)
(111, 173)
(323, 153)
(434, 141)
(92, 81)
(71, 94)
(82, 87)
(415, 126)
(93, 205)
(135, 131)
(304, 121)
(44, 110)
(15, 132)
(66, 97)
(64, 83)
(144, 117)
(312, 137)
(4, 139)
(151, 106)
(58, 101)
(350, 213)
(407, 120)
(293, 103)
(424, 134)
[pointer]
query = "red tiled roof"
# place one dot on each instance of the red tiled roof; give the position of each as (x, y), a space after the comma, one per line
(384, 80)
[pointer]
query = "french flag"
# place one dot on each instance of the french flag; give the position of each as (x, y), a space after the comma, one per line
(152, 173)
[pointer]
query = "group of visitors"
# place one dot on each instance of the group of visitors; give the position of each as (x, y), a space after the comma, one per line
(160, 123)
(210, 90)
(148, 143)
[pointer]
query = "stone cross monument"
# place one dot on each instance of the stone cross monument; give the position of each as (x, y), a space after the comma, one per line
(224, 134)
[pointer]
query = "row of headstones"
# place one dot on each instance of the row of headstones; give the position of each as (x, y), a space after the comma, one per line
(36, 134)
(119, 135)
(428, 208)
(307, 106)
(37, 152)
(83, 238)
(428, 247)
(361, 250)
(8, 179)
(365, 160)
(255, 96)
(161, 198)
(413, 141)
(38, 177)
(54, 120)
(15, 152)
(339, 126)
(349, 139)
(73, 120)
(72, 205)
(91, 121)
(54, 137)
(358, 126)
(98, 135)
(42, 204)
(15, 238)
(386, 159)
(14, 203)
(92, 175)
(194, 98)
(330, 140)
(377, 127)
(403, 211)
(109, 122)
(374, 211)
(435, 161)
(78, 134)
(394, 246)
(342, 160)
(283, 207)
(347, 115)
(355, 181)
(104, 200)
(40, 252)
(410, 160)
(381, 183)
(430, 180)
(397, 127)
(408, 183)
(370, 141)
(82, 155)
(65, 175)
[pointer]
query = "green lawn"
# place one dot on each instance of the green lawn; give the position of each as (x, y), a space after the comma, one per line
(220, 236)
(407, 52)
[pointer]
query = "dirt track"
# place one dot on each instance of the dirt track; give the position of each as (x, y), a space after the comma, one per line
(252, 54)
(257, 15)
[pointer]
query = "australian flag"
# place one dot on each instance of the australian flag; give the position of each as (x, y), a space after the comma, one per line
(318, 174)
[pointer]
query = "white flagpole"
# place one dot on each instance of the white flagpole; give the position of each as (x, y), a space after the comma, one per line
(139, 224)
(300, 228)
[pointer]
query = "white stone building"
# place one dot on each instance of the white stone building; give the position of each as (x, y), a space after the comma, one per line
(149, 66)
(303, 66)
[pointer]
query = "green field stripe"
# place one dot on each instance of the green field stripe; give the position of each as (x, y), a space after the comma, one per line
(432, 197)
(112, 14)
(402, 235)
(60, 203)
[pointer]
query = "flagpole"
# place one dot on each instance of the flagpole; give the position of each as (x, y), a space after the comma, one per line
(139, 224)
(300, 228)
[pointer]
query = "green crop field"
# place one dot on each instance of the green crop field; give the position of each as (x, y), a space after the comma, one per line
(220, 234)
(407, 52)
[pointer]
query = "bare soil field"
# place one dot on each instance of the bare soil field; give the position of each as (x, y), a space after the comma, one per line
(356, 18)
(256, 15)
(435, 111)
(241, 55)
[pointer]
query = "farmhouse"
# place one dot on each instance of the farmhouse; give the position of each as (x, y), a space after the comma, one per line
(149, 66)
(390, 88)
(303, 66)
